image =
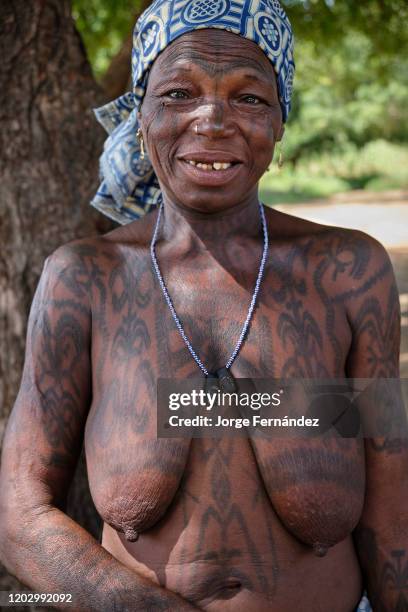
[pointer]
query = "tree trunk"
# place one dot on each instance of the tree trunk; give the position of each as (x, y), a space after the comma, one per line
(49, 149)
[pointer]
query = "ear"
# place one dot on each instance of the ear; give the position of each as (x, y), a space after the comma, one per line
(281, 133)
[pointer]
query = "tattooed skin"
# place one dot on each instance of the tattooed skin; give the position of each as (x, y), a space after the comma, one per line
(389, 580)
(219, 522)
(218, 525)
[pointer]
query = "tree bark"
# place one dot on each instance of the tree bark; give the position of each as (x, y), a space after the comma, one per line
(49, 149)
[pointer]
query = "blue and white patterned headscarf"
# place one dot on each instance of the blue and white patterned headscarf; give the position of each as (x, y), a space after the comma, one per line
(129, 187)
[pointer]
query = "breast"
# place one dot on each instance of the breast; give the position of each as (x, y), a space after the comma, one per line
(133, 476)
(315, 486)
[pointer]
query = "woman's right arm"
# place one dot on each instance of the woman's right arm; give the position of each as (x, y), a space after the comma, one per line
(39, 543)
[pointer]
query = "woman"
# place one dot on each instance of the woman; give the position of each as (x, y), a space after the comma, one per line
(203, 524)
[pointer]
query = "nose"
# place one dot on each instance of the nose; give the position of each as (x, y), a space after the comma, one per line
(214, 121)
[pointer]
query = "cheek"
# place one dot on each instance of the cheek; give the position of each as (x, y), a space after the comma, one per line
(272, 127)
(161, 129)
(153, 121)
(261, 136)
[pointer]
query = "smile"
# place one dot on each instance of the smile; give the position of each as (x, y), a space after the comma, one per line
(212, 174)
(210, 166)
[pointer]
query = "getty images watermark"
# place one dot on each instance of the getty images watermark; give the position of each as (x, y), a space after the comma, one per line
(219, 400)
(346, 408)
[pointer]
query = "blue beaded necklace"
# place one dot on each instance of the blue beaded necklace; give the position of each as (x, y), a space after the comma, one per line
(224, 376)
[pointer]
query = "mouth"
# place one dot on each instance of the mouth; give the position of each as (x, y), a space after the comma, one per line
(210, 172)
(218, 166)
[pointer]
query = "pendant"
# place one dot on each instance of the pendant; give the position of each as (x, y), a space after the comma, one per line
(226, 380)
(221, 379)
(211, 383)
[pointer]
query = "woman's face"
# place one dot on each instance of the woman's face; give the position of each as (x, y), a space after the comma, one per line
(211, 99)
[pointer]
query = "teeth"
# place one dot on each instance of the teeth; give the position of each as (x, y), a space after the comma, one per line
(221, 166)
(213, 166)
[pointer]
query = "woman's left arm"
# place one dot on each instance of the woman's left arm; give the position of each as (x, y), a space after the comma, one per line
(381, 537)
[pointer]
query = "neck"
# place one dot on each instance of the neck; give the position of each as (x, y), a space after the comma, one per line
(188, 230)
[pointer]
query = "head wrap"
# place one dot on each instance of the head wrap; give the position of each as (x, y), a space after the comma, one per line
(129, 187)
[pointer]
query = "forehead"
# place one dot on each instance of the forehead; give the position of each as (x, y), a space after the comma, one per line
(223, 50)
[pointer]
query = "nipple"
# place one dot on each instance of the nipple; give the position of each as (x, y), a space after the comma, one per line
(131, 534)
(320, 550)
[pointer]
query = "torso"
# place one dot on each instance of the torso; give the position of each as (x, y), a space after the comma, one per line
(223, 522)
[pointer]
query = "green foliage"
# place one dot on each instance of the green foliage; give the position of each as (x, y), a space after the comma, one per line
(376, 166)
(103, 25)
(326, 21)
(342, 97)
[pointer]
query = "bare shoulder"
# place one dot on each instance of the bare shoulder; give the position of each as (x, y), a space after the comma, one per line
(351, 253)
(96, 254)
(137, 233)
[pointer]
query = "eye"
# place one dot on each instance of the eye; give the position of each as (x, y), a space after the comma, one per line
(251, 99)
(177, 94)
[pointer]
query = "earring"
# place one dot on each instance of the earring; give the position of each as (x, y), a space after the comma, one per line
(139, 136)
(281, 160)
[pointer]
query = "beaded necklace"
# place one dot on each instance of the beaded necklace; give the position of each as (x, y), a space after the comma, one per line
(223, 375)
